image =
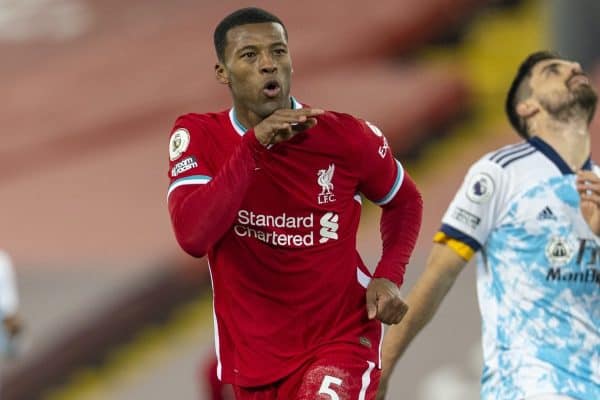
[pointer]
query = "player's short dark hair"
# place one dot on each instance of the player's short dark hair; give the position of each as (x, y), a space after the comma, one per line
(243, 16)
(518, 92)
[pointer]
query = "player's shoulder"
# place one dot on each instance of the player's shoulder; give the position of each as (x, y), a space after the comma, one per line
(192, 130)
(353, 129)
(512, 156)
(340, 119)
(195, 122)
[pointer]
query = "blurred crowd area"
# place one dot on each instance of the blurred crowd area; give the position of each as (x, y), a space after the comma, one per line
(111, 306)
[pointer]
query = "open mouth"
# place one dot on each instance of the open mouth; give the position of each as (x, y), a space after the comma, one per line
(272, 89)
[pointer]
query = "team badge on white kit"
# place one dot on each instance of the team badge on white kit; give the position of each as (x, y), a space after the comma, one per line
(180, 140)
(324, 177)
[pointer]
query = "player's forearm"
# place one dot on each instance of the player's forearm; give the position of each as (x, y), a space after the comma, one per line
(423, 301)
(203, 214)
(400, 225)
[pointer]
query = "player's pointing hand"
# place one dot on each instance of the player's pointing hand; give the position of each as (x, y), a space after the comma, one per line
(384, 301)
(283, 124)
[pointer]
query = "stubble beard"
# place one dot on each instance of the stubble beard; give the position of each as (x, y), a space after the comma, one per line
(582, 102)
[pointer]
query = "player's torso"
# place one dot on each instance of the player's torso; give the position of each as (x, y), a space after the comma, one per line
(540, 278)
(303, 193)
(295, 230)
(545, 241)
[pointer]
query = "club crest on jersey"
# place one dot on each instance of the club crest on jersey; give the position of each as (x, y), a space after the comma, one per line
(180, 140)
(324, 177)
(559, 252)
(480, 188)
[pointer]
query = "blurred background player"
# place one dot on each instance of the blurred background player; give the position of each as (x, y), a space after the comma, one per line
(9, 304)
(10, 323)
(270, 189)
(538, 276)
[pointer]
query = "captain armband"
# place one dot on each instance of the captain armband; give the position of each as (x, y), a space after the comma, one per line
(463, 250)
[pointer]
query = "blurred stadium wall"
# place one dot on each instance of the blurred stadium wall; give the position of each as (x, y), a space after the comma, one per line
(113, 309)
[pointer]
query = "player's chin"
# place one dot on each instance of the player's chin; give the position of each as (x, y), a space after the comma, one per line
(269, 106)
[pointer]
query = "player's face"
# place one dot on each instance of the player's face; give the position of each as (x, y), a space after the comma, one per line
(258, 69)
(561, 86)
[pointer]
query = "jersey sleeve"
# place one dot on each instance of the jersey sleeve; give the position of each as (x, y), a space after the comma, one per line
(380, 174)
(188, 156)
(203, 201)
(384, 181)
(475, 209)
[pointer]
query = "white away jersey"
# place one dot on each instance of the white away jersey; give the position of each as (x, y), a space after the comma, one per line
(538, 277)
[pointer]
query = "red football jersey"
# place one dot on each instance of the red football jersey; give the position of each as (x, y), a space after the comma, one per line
(286, 275)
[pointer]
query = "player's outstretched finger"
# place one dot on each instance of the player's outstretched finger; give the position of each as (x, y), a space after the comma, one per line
(311, 112)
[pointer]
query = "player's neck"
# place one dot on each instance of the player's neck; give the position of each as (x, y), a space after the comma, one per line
(246, 117)
(249, 119)
(570, 139)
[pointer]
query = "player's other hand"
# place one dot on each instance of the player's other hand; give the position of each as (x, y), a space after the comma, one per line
(283, 124)
(588, 186)
(384, 301)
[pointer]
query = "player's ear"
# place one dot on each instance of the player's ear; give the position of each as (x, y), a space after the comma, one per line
(221, 74)
(526, 109)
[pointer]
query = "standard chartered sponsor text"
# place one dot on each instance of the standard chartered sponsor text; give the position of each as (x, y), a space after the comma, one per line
(283, 220)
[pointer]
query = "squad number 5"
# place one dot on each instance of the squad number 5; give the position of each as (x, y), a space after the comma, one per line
(326, 389)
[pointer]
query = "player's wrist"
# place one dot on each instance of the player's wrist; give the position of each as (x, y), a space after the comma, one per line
(393, 273)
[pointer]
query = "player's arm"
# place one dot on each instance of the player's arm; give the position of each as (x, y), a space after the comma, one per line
(203, 204)
(385, 182)
(399, 225)
(588, 186)
(443, 266)
(470, 217)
